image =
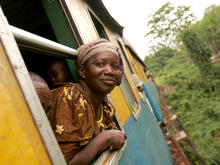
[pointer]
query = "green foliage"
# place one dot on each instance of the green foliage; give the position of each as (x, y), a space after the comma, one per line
(197, 107)
(188, 71)
(168, 22)
(198, 51)
(202, 40)
(209, 28)
(158, 60)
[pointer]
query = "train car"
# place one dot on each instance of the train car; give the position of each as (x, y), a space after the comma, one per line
(32, 33)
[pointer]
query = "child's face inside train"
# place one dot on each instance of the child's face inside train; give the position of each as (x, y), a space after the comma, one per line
(58, 72)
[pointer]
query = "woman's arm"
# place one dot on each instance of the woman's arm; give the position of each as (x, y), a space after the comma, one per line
(110, 138)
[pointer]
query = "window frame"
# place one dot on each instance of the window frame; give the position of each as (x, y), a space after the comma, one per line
(136, 107)
(92, 14)
(135, 114)
(21, 73)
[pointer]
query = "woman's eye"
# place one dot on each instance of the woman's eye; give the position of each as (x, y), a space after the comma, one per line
(99, 64)
(116, 67)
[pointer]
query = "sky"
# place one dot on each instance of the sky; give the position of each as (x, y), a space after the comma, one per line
(133, 16)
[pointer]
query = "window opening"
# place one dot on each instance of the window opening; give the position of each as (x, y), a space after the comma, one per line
(99, 27)
(129, 96)
(129, 65)
(62, 29)
(46, 19)
(28, 15)
(126, 88)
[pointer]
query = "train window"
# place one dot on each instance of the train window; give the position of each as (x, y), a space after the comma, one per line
(136, 62)
(130, 97)
(126, 58)
(98, 25)
(31, 16)
(126, 88)
(46, 19)
(127, 91)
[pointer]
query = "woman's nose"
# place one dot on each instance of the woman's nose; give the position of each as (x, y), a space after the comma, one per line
(108, 69)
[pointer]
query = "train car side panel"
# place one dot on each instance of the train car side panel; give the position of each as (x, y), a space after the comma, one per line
(19, 139)
(146, 142)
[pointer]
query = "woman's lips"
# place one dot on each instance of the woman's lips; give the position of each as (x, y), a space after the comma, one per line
(108, 81)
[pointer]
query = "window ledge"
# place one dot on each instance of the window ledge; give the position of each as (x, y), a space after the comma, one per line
(110, 158)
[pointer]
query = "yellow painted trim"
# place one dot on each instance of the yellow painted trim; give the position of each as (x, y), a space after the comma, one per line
(120, 104)
(19, 139)
(130, 80)
(134, 64)
(143, 75)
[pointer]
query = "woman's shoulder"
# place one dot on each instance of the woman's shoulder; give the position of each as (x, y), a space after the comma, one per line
(66, 85)
(68, 89)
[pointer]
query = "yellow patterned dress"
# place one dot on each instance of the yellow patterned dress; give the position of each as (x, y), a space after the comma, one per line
(73, 120)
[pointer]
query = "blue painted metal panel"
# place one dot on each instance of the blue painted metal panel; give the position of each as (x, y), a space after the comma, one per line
(145, 142)
(151, 92)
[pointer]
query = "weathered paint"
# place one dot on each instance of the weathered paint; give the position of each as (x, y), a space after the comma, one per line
(145, 142)
(123, 113)
(19, 139)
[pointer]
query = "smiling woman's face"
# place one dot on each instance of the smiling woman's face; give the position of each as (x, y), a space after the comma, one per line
(101, 73)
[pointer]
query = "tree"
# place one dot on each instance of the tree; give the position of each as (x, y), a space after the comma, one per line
(209, 28)
(167, 23)
(202, 41)
(198, 50)
(159, 59)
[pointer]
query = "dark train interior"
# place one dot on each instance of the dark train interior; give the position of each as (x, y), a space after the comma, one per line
(30, 15)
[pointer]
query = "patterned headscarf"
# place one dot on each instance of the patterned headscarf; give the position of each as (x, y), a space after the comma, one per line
(92, 48)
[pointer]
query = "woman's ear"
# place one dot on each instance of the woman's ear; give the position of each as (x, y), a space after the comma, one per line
(81, 70)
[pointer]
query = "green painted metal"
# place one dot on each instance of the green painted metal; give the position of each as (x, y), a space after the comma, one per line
(62, 30)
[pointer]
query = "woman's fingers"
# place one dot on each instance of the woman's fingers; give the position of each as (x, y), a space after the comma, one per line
(112, 125)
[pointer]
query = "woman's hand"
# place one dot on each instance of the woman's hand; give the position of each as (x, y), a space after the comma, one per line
(117, 139)
(114, 139)
(112, 125)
